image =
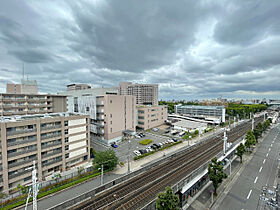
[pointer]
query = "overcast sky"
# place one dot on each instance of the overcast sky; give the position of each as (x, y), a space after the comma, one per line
(192, 49)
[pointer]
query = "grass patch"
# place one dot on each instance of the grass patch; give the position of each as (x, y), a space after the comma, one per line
(146, 141)
(190, 135)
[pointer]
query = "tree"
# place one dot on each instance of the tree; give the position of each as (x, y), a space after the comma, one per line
(80, 170)
(23, 189)
(167, 200)
(107, 158)
(216, 173)
(240, 151)
(56, 177)
(250, 139)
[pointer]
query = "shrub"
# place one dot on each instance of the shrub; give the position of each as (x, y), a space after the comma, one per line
(144, 155)
(146, 141)
(122, 163)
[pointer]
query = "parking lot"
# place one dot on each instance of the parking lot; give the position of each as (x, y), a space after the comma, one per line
(125, 148)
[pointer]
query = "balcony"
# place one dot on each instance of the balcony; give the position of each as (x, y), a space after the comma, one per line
(19, 174)
(50, 127)
(51, 154)
(50, 145)
(100, 111)
(50, 136)
(12, 165)
(16, 132)
(21, 152)
(100, 132)
(22, 142)
(51, 162)
(101, 103)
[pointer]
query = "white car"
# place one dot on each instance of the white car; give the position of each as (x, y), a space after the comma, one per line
(160, 144)
(138, 137)
(136, 152)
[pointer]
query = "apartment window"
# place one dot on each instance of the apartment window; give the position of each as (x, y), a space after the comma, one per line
(111, 101)
(111, 130)
(140, 117)
(141, 123)
(66, 131)
(76, 108)
(66, 155)
(66, 147)
(111, 115)
(111, 122)
(66, 139)
(65, 123)
(87, 109)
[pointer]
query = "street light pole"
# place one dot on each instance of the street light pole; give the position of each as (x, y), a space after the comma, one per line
(128, 158)
(225, 142)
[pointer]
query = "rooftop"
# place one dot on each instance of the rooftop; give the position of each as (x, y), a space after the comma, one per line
(20, 118)
(200, 107)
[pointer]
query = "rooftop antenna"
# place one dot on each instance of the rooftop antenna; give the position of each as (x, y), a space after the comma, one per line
(23, 71)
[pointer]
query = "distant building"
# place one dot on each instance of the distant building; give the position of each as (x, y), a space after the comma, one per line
(56, 142)
(26, 87)
(77, 87)
(146, 94)
(24, 104)
(201, 111)
(151, 116)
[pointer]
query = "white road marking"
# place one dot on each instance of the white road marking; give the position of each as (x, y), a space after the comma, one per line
(266, 154)
(271, 145)
(249, 194)
(260, 169)
(263, 161)
(269, 149)
(256, 179)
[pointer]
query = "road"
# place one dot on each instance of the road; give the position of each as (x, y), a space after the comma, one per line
(260, 171)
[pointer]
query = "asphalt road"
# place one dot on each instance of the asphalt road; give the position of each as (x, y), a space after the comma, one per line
(260, 171)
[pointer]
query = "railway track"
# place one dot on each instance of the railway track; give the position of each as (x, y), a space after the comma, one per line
(141, 189)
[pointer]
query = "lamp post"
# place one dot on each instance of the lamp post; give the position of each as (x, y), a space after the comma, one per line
(128, 158)
(228, 160)
(225, 142)
(102, 174)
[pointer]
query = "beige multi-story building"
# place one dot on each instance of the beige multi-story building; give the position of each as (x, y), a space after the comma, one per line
(56, 142)
(146, 94)
(26, 87)
(23, 104)
(115, 115)
(77, 87)
(151, 116)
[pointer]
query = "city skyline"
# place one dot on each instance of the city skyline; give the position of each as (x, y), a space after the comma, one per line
(192, 50)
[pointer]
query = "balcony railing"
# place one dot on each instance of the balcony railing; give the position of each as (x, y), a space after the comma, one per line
(19, 174)
(21, 152)
(50, 127)
(51, 145)
(51, 162)
(50, 136)
(51, 154)
(11, 133)
(21, 142)
(11, 165)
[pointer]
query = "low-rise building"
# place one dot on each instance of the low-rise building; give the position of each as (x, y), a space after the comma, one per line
(151, 116)
(24, 104)
(218, 112)
(56, 142)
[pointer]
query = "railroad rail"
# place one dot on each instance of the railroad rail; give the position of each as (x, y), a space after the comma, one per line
(136, 192)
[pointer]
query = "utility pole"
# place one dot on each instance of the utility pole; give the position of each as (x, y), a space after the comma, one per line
(35, 189)
(102, 173)
(225, 142)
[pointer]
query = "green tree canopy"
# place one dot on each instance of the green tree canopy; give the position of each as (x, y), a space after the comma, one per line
(216, 173)
(240, 151)
(167, 200)
(107, 158)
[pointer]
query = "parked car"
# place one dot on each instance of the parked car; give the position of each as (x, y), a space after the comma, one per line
(155, 129)
(114, 145)
(142, 151)
(175, 140)
(154, 147)
(137, 136)
(136, 152)
(157, 146)
(160, 144)
(141, 134)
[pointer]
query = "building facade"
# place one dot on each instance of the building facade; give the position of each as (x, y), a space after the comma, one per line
(24, 104)
(202, 111)
(146, 94)
(56, 142)
(77, 87)
(151, 116)
(115, 114)
(26, 87)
